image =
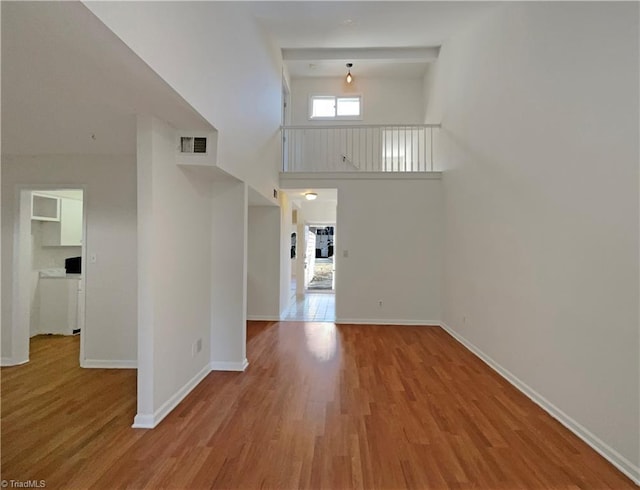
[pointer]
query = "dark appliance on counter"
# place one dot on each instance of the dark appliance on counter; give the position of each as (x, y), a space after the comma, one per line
(73, 265)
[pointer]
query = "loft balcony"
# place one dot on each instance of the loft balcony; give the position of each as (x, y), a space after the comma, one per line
(359, 148)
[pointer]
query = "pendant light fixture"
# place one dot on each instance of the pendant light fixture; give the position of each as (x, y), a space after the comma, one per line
(349, 76)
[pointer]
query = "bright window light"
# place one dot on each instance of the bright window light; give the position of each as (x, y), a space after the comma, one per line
(348, 106)
(323, 107)
(335, 107)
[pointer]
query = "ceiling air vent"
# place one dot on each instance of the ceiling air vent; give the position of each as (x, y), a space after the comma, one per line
(189, 144)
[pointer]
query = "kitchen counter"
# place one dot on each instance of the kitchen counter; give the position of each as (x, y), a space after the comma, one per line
(57, 274)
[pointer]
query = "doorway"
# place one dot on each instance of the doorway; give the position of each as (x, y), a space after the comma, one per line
(50, 274)
(293, 252)
(320, 276)
(314, 256)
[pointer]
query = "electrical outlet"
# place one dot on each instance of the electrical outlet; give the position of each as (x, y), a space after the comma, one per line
(196, 347)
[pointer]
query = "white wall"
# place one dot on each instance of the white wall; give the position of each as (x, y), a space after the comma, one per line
(174, 254)
(319, 212)
(237, 87)
(301, 247)
(263, 263)
(285, 252)
(229, 276)
(539, 107)
(4, 272)
(392, 230)
(384, 100)
(110, 186)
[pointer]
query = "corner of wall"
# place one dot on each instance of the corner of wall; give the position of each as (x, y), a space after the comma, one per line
(614, 457)
(150, 421)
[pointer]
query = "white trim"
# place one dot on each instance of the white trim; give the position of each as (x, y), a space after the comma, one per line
(290, 180)
(143, 421)
(149, 421)
(614, 457)
(263, 318)
(361, 126)
(371, 321)
(394, 54)
(229, 365)
(8, 361)
(108, 364)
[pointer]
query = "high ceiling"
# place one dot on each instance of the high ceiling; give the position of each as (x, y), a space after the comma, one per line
(365, 24)
(374, 24)
(406, 62)
(71, 86)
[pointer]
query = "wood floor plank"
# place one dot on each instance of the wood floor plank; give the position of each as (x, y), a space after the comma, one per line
(320, 407)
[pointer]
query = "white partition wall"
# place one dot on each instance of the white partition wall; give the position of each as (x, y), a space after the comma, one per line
(388, 256)
(229, 276)
(174, 257)
(263, 263)
(285, 251)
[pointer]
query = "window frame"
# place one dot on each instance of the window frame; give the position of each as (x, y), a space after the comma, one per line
(335, 107)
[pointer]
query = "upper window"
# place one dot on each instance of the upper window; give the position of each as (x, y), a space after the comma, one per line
(335, 107)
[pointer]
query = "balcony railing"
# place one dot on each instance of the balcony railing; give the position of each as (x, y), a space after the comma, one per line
(359, 148)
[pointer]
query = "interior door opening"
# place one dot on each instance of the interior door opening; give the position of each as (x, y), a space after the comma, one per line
(320, 267)
(50, 267)
(313, 245)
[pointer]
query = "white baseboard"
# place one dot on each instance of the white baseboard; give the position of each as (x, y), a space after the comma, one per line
(263, 318)
(606, 451)
(8, 361)
(373, 321)
(229, 365)
(143, 421)
(149, 421)
(108, 364)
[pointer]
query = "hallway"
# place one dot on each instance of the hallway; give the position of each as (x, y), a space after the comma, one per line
(313, 307)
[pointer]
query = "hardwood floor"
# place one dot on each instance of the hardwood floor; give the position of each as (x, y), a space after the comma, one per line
(320, 406)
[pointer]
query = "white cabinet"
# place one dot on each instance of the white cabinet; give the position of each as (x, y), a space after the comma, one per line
(68, 231)
(45, 208)
(59, 305)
